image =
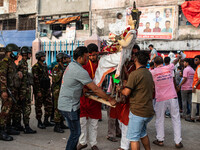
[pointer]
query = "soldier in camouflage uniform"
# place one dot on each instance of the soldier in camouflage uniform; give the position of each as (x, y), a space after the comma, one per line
(8, 76)
(41, 90)
(57, 73)
(24, 104)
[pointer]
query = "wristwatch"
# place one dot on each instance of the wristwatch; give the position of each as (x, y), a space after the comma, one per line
(195, 87)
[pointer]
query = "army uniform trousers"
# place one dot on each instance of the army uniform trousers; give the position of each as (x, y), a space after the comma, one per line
(57, 115)
(45, 100)
(6, 107)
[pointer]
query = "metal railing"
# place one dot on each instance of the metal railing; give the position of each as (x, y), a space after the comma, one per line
(53, 47)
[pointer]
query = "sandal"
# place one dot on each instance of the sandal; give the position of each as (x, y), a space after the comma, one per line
(198, 120)
(159, 143)
(180, 145)
(112, 139)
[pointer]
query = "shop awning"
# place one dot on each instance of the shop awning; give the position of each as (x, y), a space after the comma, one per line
(191, 10)
(63, 20)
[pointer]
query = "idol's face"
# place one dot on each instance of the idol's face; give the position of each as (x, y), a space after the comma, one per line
(130, 20)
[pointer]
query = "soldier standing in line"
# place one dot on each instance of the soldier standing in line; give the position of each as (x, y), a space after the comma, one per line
(41, 90)
(8, 76)
(24, 105)
(57, 73)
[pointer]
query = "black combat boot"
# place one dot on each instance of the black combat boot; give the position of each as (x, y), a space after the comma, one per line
(18, 127)
(28, 130)
(10, 130)
(58, 129)
(52, 120)
(41, 125)
(47, 123)
(4, 136)
(52, 116)
(63, 126)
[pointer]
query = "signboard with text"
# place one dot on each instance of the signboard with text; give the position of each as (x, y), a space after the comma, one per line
(155, 22)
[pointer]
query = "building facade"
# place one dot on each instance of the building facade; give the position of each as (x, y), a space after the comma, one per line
(63, 20)
(68, 20)
(181, 35)
(17, 22)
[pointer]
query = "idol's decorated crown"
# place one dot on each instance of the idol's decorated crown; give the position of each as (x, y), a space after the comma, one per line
(136, 15)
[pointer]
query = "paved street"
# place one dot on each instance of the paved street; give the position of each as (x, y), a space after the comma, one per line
(49, 140)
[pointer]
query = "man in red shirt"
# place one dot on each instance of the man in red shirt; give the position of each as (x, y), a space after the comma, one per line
(147, 29)
(157, 28)
(90, 109)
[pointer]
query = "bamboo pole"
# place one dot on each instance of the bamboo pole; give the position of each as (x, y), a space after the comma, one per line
(101, 100)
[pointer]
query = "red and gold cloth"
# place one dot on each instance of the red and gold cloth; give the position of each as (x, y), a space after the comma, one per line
(121, 111)
(191, 10)
(90, 108)
(116, 47)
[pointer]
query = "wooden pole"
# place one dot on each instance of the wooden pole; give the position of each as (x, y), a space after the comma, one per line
(101, 100)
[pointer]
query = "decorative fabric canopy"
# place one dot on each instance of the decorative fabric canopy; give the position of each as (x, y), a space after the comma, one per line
(63, 20)
(191, 10)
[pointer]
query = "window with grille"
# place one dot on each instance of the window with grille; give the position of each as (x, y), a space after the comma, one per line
(26, 22)
(182, 19)
(9, 24)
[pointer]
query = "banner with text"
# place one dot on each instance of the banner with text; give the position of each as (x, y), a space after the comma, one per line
(155, 22)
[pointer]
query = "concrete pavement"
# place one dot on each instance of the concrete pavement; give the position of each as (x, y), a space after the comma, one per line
(49, 140)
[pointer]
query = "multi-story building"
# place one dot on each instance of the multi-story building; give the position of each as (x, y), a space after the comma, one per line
(62, 26)
(63, 20)
(17, 22)
(58, 23)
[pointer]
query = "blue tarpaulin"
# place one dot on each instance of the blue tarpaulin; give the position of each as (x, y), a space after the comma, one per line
(20, 38)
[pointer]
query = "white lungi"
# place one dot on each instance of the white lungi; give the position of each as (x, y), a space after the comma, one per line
(160, 108)
(107, 64)
(125, 143)
(196, 96)
(195, 101)
(92, 130)
(111, 62)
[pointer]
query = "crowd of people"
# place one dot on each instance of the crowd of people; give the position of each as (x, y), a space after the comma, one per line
(16, 82)
(15, 93)
(168, 88)
(186, 85)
